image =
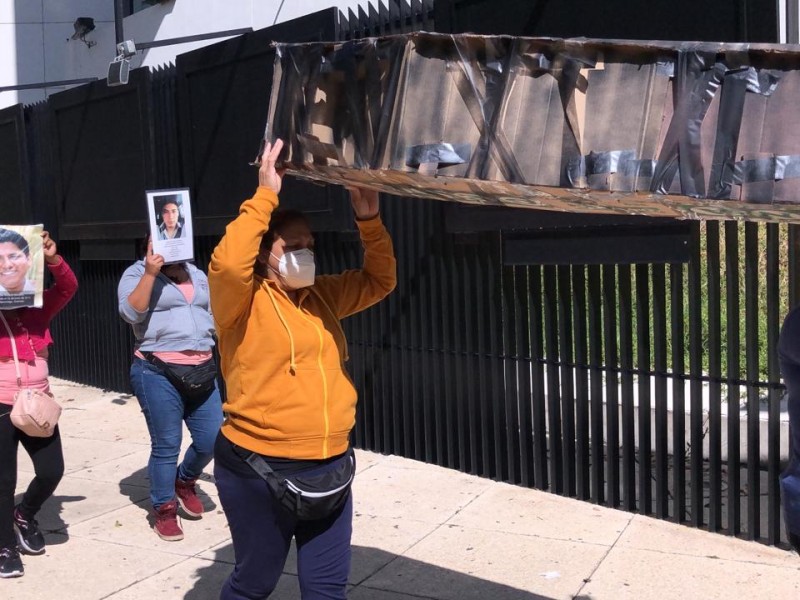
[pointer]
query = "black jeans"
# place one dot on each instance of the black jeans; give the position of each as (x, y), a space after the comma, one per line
(48, 465)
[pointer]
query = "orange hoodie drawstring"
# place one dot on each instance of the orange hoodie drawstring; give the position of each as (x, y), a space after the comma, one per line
(292, 364)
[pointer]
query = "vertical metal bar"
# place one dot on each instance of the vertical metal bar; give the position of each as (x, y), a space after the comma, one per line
(553, 379)
(792, 22)
(539, 395)
(774, 396)
(612, 384)
(567, 377)
(119, 15)
(491, 434)
(461, 360)
(628, 409)
(495, 318)
(661, 408)
(470, 277)
(406, 399)
(512, 361)
(695, 383)
(732, 334)
(424, 361)
(524, 367)
(440, 430)
(446, 312)
(751, 280)
(678, 391)
(715, 373)
(583, 488)
(596, 389)
(643, 366)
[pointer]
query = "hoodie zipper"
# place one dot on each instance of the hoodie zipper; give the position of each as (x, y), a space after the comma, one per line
(324, 385)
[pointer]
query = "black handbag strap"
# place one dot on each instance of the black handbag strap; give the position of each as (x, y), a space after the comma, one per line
(153, 359)
(262, 468)
(259, 465)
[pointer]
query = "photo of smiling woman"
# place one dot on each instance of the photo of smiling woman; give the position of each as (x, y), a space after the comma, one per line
(20, 268)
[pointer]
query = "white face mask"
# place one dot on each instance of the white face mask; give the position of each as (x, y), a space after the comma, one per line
(297, 268)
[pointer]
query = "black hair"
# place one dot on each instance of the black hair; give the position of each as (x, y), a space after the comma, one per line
(8, 236)
(141, 245)
(162, 201)
(281, 217)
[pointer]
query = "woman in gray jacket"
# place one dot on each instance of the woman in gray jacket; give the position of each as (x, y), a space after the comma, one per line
(174, 378)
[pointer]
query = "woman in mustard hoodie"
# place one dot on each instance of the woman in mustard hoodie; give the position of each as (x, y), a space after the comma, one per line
(289, 400)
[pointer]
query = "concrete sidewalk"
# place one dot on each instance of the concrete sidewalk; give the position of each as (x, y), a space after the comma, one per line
(420, 531)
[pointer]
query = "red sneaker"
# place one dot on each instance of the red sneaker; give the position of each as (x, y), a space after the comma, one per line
(167, 526)
(187, 497)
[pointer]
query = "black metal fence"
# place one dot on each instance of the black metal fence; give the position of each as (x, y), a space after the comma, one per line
(651, 387)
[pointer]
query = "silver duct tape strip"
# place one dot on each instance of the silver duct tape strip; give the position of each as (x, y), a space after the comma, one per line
(442, 155)
(620, 162)
(770, 168)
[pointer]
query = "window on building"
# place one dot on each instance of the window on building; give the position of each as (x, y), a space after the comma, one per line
(134, 6)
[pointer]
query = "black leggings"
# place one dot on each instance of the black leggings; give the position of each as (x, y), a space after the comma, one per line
(48, 464)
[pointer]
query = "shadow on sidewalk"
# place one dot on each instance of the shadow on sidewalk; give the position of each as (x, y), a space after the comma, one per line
(409, 579)
(49, 518)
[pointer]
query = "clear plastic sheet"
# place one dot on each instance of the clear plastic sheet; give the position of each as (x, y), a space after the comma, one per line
(686, 130)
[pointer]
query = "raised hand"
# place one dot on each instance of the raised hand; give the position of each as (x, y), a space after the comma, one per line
(152, 262)
(49, 248)
(268, 176)
(365, 203)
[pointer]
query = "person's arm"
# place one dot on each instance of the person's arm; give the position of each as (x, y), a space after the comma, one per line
(357, 289)
(230, 273)
(134, 290)
(65, 284)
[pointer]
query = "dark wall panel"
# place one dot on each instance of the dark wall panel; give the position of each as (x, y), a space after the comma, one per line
(103, 145)
(14, 171)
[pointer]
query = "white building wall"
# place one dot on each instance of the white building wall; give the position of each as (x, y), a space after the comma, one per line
(35, 45)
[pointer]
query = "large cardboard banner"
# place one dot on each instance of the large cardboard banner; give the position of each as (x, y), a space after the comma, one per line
(692, 130)
(21, 266)
(171, 224)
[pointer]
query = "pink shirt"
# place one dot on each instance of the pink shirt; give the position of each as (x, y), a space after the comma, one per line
(34, 374)
(186, 357)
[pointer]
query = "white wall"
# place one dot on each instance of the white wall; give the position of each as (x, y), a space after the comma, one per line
(34, 46)
(33, 42)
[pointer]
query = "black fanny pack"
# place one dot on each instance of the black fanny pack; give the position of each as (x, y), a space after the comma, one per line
(192, 381)
(307, 496)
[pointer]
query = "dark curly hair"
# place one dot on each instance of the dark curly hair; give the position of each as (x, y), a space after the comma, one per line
(7, 236)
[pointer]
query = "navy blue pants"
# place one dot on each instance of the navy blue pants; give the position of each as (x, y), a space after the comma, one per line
(262, 532)
(789, 353)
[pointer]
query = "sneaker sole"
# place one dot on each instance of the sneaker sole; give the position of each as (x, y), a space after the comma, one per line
(25, 547)
(196, 515)
(12, 574)
(169, 538)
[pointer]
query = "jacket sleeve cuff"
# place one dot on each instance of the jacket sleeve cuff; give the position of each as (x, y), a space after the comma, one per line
(266, 194)
(57, 267)
(371, 228)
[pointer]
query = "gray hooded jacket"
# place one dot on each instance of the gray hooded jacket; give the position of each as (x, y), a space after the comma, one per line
(171, 323)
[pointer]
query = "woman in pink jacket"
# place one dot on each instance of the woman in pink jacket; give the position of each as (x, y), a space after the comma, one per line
(31, 330)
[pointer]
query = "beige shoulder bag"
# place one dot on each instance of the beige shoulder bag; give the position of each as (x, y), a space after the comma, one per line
(35, 412)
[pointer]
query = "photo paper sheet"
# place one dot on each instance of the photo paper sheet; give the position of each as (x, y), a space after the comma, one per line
(21, 266)
(171, 224)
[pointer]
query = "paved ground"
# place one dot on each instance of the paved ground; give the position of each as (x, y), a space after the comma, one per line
(421, 531)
